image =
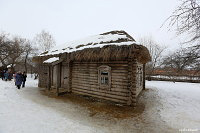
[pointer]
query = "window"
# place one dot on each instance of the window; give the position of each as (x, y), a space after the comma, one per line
(104, 73)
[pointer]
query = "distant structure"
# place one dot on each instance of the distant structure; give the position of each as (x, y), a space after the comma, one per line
(108, 66)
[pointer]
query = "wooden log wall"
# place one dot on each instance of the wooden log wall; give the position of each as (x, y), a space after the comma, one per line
(132, 81)
(54, 76)
(139, 78)
(85, 80)
(43, 76)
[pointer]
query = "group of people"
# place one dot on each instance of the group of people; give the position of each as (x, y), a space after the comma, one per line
(19, 77)
(5, 75)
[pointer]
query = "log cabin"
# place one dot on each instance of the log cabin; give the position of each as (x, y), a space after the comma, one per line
(109, 66)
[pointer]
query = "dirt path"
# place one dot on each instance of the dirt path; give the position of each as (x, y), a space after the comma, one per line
(107, 116)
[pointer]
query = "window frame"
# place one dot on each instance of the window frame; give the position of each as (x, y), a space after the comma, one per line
(104, 68)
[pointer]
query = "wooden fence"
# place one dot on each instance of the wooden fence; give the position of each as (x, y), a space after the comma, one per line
(174, 78)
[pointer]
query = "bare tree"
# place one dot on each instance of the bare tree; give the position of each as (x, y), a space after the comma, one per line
(156, 52)
(4, 48)
(180, 60)
(16, 50)
(28, 50)
(44, 40)
(186, 19)
(195, 53)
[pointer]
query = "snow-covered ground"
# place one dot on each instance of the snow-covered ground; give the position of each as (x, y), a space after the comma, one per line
(163, 107)
(180, 103)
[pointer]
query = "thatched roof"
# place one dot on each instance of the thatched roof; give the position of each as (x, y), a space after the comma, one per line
(114, 45)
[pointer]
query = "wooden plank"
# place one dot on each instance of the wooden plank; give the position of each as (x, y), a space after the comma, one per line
(102, 97)
(84, 74)
(116, 89)
(81, 82)
(95, 65)
(101, 93)
(96, 71)
(85, 78)
(100, 62)
(113, 87)
(96, 68)
(122, 86)
(119, 80)
(95, 74)
(96, 89)
(95, 79)
(75, 73)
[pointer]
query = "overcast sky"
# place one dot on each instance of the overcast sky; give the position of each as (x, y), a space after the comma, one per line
(69, 20)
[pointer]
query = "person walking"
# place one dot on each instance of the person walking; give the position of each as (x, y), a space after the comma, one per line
(6, 75)
(19, 79)
(3, 77)
(24, 79)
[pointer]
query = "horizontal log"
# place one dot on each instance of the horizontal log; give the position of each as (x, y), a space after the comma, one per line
(95, 79)
(96, 68)
(84, 72)
(95, 65)
(114, 79)
(95, 74)
(96, 89)
(95, 85)
(113, 87)
(80, 82)
(101, 94)
(118, 86)
(100, 62)
(101, 97)
(119, 89)
(96, 71)
(85, 77)
(124, 89)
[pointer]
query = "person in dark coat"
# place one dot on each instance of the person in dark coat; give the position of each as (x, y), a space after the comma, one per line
(6, 75)
(2, 75)
(24, 79)
(10, 76)
(19, 79)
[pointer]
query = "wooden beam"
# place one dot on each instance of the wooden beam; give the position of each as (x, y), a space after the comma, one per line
(58, 80)
(144, 86)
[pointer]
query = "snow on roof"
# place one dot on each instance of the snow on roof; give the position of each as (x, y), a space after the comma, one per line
(109, 38)
(51, 60)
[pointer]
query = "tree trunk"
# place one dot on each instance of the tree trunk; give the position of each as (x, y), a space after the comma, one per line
(25, 62)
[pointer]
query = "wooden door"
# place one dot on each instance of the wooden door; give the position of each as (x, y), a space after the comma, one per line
(54, 76)
(64, 76)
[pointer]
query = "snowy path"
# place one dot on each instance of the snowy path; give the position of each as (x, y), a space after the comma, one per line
(19, 114)
(167, 108)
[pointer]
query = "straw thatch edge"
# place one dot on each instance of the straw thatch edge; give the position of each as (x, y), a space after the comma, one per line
(106, 53)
